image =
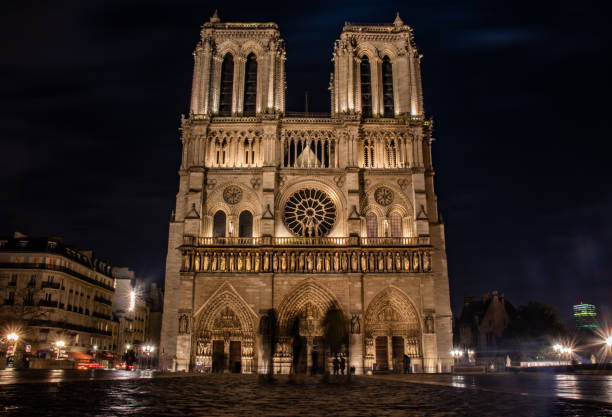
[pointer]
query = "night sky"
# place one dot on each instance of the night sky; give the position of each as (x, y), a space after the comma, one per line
(91, 95)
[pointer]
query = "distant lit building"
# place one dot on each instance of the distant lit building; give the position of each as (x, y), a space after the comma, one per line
(138, 309)
(585, 316)
(53, 293)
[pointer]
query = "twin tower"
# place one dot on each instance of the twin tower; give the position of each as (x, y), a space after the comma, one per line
(284, 219)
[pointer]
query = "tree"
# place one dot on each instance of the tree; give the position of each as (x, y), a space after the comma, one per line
(533, 329)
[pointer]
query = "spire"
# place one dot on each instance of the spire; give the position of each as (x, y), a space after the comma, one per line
(398, 20)
(215, 17)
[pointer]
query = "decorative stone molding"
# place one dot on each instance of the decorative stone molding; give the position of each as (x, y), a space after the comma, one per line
(302, 260)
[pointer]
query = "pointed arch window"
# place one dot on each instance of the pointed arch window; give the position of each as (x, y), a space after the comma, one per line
(245, 224)
(372, 224)
(366, 87)
(219, 224)
(227, 85)
(387, 79)
(368, 154)
(250, 86)
(396, 224)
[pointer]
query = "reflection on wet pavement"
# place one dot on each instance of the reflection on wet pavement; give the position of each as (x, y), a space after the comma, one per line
(246, 395)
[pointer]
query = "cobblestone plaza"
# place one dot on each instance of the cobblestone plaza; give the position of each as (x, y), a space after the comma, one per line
(227, 394)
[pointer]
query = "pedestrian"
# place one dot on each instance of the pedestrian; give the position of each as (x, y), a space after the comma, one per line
(336, 365)
(342, 365)
(406, 364)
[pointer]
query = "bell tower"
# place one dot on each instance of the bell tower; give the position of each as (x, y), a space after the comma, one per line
(377, 71)
(239, 69)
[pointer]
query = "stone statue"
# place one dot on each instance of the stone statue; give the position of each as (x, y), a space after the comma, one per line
(248, 263)
(206, 262)
(364, 262)
(398, 262)
(429, 324)
(301, 262)
(215, 262)
(240, 262)
(231, 262)
(319, 263)
(183, 324)
(292, 262)
(284, 262)
(336, 262)
(355, 324)
(309, 262)
(426, 261)
(266, 262)
(222, 266)
(354, 264)
(415, 261)
(197, 263)
(327, 263)
(389, 262)
(257, 262)
(406, 261)
(275, 262)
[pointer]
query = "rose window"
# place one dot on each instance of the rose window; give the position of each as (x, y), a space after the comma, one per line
(232, 194)
(310, 213)
(383, 196)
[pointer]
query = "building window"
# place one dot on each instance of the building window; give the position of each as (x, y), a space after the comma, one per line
(245, 224)
(250, 86)
(387, 79)
(219, 224)
(372, 224)
(391, 154)
(368, 153)
(396, 225)
(366, 88)
(227, 85)
(13, 281)
(11, 298)
(47, 296)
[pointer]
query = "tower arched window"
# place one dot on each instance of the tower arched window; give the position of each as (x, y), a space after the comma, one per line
(391, 154)
(250, 86)
(366, 87)
(368, 153)
(227, 85)
(245, 224)
(396, 225)
(219, 221)
(372, 224)
(387, 87)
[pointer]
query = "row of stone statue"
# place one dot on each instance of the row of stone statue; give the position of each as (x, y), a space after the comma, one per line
(306, 261)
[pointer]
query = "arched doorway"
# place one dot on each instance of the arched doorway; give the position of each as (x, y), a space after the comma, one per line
(302, 346)
(392, 330)
(225, 334)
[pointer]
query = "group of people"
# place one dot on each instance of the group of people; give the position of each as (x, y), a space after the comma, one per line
(339, 365)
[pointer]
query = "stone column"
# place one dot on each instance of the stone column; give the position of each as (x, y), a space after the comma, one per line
(390, 352)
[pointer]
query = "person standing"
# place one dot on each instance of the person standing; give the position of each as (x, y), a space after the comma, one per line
(342, 365)
(406, 364)
(336, 365)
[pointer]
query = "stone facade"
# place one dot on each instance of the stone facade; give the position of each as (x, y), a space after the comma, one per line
(302, 214)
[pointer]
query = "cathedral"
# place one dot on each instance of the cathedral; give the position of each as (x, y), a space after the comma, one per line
(283, 217)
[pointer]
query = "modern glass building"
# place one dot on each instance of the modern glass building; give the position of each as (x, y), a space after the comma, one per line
(585, 316)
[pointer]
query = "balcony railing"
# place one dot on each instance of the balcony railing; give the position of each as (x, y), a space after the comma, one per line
(103, 301)
(47, 284)
(50, 267)
(101, 315)
(307, 241)
(46, 303)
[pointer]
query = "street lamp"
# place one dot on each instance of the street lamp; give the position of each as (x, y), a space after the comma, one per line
(12, 337)
(59, 344)
(609, 341)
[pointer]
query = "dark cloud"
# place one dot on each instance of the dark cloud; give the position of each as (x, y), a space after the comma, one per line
(92, 94)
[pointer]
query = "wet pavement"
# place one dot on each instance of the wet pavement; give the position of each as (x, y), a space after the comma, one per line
(105, 393)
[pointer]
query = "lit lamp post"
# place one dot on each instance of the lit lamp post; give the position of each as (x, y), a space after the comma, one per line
(12, 338)
(456, 354)
(59, 344)
(148, 349)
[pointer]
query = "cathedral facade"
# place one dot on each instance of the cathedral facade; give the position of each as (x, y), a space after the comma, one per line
(283, 217)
